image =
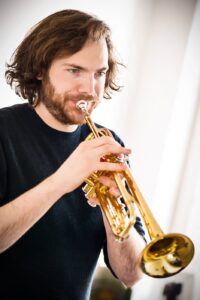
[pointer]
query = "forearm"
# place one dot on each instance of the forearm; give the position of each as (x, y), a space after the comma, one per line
(19, 215)
(124, 256)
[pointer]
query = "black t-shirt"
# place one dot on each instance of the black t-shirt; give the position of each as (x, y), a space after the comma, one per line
(56, 258)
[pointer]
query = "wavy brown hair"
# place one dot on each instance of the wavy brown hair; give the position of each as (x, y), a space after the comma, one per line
(66, 30)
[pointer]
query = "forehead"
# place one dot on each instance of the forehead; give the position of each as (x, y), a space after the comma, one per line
(93, 55)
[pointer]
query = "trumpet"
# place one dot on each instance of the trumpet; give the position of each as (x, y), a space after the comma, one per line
(166, 254)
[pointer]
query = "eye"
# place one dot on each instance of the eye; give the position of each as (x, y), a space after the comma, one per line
(100, 74)
(74, 71)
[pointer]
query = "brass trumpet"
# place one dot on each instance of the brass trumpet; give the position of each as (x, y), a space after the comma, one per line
(166, 254)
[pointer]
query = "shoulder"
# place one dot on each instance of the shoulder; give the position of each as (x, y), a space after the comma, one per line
(114, 134)
(86, 131)
(11, 112)
(12, 118)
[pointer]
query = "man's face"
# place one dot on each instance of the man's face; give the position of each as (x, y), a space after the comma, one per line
(80, 76)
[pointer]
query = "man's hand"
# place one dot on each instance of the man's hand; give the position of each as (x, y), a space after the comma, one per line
(86, 159)
(112, 189)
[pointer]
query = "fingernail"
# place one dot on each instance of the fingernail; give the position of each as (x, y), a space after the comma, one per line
(91, 203)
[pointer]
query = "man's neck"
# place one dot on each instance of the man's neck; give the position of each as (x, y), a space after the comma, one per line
(47, 117)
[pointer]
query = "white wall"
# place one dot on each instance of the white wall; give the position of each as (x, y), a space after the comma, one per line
(158, 40)
(169, 92)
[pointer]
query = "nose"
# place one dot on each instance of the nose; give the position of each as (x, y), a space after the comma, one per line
(87, 85)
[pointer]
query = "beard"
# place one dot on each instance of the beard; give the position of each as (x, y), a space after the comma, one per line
(63, 106)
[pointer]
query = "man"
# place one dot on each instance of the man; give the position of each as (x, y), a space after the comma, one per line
(50, 238)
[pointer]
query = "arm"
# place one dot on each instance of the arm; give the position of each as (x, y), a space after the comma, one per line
(23, 212)
(123, 257)
(19, 215)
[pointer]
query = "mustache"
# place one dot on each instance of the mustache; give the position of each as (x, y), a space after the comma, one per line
(81, 96)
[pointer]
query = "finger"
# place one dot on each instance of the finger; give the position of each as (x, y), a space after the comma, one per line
(112, 149)
(108, 181)
(103, 140)
(115, 192)
(111, 183)
(93, 201)
(113, 167)
(100, 141)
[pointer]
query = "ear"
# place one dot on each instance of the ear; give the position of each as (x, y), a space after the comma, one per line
(39, 77)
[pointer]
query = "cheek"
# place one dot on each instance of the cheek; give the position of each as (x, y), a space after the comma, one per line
(61, 86)
(100, 87)
(60, 82)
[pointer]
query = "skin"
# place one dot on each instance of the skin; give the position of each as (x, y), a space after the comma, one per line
(69, 79)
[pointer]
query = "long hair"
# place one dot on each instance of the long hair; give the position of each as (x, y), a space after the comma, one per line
(65, 30)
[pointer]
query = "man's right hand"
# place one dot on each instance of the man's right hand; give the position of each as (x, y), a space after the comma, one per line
(86, 159)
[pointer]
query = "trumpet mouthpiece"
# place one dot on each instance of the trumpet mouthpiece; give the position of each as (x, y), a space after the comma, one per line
(82, 105)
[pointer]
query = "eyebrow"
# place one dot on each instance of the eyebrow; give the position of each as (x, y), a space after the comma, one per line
(84, 69)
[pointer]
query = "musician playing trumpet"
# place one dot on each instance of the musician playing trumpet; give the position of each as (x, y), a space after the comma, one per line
(50, 238)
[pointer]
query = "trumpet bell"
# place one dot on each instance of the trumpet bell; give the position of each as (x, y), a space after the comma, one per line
(167, 255)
